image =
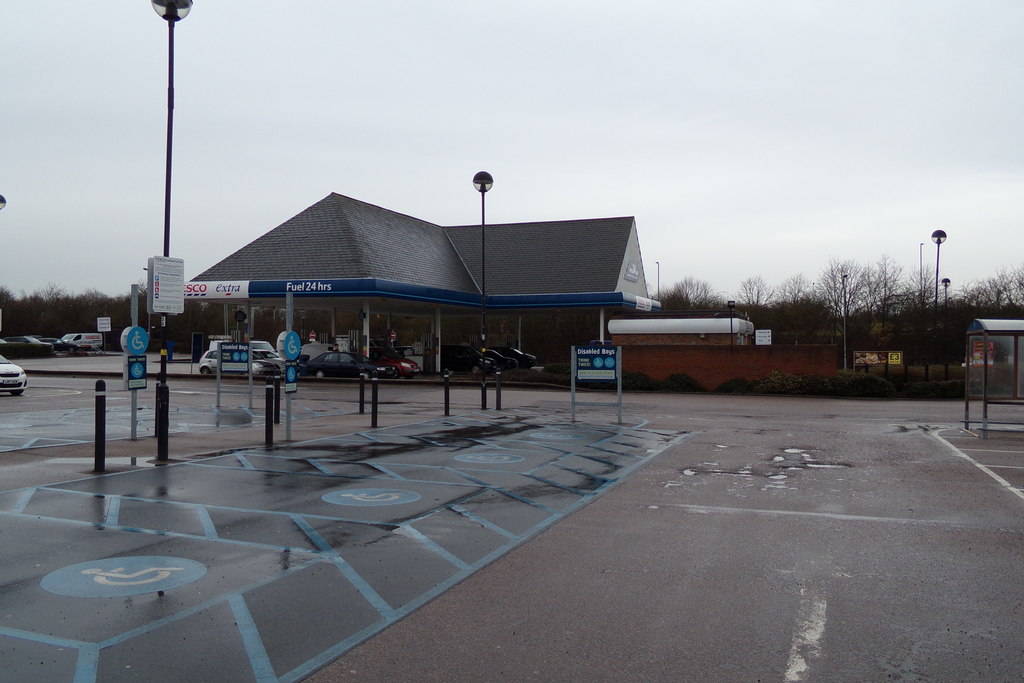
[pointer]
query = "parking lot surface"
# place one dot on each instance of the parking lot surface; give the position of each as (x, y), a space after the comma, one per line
(706, 538)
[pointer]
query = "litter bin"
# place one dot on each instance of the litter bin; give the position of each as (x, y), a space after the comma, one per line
(170, 350)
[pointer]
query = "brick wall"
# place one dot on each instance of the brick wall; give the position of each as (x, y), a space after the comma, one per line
(710, 366)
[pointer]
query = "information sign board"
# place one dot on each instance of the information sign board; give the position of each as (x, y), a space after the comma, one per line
(291, 376)
(233, 357)
(166, 285)
(596, 363)
(135, 372)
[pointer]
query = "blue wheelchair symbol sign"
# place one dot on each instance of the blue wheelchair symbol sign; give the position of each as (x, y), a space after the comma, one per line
(134, 340)
(290, 344)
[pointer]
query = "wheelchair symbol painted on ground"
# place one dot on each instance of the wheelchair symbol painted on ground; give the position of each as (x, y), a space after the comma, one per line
(551, 435)
(369, 497)
(116, 577)
(489, 458)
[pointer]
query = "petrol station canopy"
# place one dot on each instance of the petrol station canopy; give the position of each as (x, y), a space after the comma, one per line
(342, 254)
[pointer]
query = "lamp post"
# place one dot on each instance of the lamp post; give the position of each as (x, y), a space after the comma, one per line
(845, 310)
(945, 326)
(939, 236)
(172, 11)
(732, 307)
(483, 182)
(658, 264)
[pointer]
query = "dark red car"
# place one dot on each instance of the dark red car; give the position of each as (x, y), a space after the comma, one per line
(384, 356)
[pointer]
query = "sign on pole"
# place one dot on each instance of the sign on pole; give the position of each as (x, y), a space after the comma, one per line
(166, 285)
(597, 364)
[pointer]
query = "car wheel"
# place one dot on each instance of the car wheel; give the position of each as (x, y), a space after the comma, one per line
(205, 371)
(319, 373)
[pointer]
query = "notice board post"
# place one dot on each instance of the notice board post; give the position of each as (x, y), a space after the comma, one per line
(596, 364)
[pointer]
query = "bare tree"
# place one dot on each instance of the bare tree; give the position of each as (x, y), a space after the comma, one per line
(691, 293)
(755, 292)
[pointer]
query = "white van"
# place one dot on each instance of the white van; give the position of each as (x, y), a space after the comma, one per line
(91, 339)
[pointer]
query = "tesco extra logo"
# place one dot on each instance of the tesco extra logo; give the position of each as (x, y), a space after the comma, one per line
(195, 289)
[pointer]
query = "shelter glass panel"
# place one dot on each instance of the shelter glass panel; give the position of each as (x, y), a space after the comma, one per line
(998, 351)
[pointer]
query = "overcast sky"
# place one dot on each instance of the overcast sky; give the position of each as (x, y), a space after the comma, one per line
(747, 137)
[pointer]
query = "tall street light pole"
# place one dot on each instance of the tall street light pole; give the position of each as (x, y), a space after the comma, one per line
(172, 11)
(945, 327)
(483, 182)
(939, 236)
(845, 310)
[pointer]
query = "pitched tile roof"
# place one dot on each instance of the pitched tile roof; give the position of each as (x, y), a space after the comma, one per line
(340, 238)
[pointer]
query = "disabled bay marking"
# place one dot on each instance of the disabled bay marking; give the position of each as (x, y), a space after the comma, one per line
(489, 458)
(115, 577)
(367, 497)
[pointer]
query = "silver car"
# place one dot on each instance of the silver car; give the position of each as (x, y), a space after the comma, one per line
(263, 363)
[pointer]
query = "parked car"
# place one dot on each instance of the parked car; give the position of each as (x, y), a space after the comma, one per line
(500, 361)
(12, 378)
(27, 339)
(345, 364)
(60, 346)
(403, 366)
(263, 363)
(464, 358)
(526, 360)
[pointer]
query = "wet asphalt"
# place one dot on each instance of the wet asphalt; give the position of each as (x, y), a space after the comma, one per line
(706, 538)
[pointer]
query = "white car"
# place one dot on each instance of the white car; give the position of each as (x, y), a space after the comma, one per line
(12, 377)
(263, 363)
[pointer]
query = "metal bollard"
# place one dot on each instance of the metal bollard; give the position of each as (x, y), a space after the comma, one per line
(277, 399)
(483, 386)
(163, 418)
(447, 392)
(100, 457)
(362, 393)
(373, 399)
(497, 389)
(269, 414)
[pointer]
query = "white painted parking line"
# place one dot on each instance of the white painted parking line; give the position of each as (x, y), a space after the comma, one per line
(1002, 482)
(810, 628)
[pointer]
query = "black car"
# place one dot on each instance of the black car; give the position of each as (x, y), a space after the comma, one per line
(464, 359)
(501, 362)
(344, 364)
(526, 360)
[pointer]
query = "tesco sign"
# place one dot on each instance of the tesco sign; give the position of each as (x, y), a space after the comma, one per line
(234, 289)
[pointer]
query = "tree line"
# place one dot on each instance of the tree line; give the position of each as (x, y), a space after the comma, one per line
(873, 307)
(878, 306)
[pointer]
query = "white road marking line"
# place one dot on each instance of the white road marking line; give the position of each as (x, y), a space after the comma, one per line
(810, 627)
(1002, 482)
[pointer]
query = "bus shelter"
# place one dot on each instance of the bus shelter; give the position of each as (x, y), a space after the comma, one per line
(995, 376)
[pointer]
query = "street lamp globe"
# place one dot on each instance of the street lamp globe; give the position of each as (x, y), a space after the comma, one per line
(483, 181)
(3, 202)
(939, 236)
(172, 10)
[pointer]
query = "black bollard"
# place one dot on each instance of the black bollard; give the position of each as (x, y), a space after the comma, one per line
(269, 414)
(163, 418)
(373, 399)
(362, 393)
(277, 399)
(100, 458)
(447, 392)
(497, 389)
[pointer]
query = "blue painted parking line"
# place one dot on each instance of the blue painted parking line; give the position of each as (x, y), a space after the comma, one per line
(306, 549)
